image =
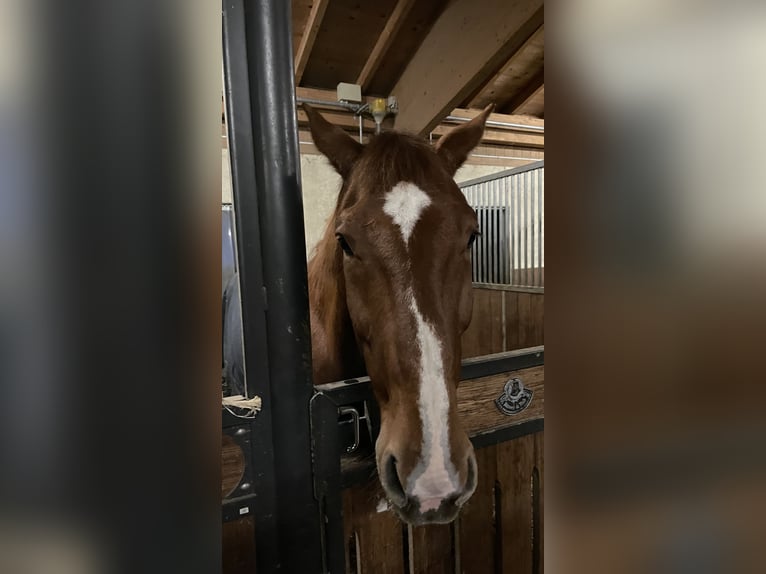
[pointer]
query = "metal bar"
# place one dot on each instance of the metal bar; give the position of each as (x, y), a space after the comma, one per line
(325, 103)
(532, 222)
(280, 213)
(542, 224)
(525, 191)
(250, 265)
(539, 228)
(504, 173)
(485, 235)
(496, 210)
(327, 451)
(517, 232)
(506, 232)
(494, 123)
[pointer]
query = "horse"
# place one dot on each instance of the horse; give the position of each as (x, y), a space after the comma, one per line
(390, 295)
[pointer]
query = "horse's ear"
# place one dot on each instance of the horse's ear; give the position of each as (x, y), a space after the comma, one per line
(339, 147)
(454, 147)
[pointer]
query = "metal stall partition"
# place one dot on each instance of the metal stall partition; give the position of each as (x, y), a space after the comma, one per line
(510, 209)
(271, 260)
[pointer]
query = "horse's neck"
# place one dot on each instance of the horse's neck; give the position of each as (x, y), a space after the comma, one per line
(335, 354)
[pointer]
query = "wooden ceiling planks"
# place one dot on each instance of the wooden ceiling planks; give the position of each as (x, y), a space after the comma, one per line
(414, 29)
(348, 34)
(535, 105)
(301, 10)
(514, 77)
(310, 31)
(375, 43)
(384, 42)
(463, 51)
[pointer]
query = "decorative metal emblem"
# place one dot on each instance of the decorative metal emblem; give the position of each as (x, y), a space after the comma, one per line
(515, 398)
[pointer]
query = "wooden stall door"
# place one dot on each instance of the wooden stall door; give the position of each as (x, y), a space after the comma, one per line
(504, 319)
(499, 530)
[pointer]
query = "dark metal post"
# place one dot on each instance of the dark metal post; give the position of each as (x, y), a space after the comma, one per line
(273, 282)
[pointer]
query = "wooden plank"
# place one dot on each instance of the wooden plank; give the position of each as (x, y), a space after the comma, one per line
(238, 546)
(525, 94)
(484, 335)
(309, 36)
(476, 401)
(515, 461)
(301, 9)
(392, 27)
(511, 321)
(498, 117)
(539, 511)
(469, 42)
(529, 320)
(232, 465)
(514, 75)
(535, 105)
(522, 142)
(500, 136)
(431, 549)
(377, 534)
(476, 527)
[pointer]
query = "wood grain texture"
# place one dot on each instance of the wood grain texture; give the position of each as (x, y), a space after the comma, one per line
(431, 549)
(378, 536)
(232, 465)
(515, 461)
(468, 44)
(476, 401)
(393, 25)
(476, 527)
(347, 36)
(311, 29)
(504, 320)
(515, 74)
(238, 546)
(540, 529)
(484, 335)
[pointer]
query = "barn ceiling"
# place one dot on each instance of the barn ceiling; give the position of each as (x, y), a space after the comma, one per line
(436, 57)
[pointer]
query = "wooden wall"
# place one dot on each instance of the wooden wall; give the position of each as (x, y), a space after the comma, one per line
(504, 319)
(500, 529)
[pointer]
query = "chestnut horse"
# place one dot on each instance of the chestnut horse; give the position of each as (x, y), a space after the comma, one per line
(390, 295)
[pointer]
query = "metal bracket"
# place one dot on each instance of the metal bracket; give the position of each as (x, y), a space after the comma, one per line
(355, 418)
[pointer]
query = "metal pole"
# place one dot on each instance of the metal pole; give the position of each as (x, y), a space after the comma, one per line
(497, 124)
(271, 233)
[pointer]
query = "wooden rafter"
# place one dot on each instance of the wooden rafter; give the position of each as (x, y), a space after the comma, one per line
(313, 23)
(514, 75)
(467, 45)
(392, 27)
(526, 93)
(492, 135)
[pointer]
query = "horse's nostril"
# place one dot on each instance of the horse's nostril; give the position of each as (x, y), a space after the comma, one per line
(392, 482)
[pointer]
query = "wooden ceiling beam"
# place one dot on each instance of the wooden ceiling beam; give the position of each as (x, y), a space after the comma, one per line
(492, 135)
(505, 118)
(313, 23)
(467, 45)
(392, 27)
(503, 86)
(526, 93)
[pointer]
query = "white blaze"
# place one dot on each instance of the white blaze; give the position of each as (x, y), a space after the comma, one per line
(435, 475)
(405, 203)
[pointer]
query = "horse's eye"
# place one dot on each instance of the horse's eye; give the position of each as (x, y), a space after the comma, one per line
(473, 237)
(344, 245)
